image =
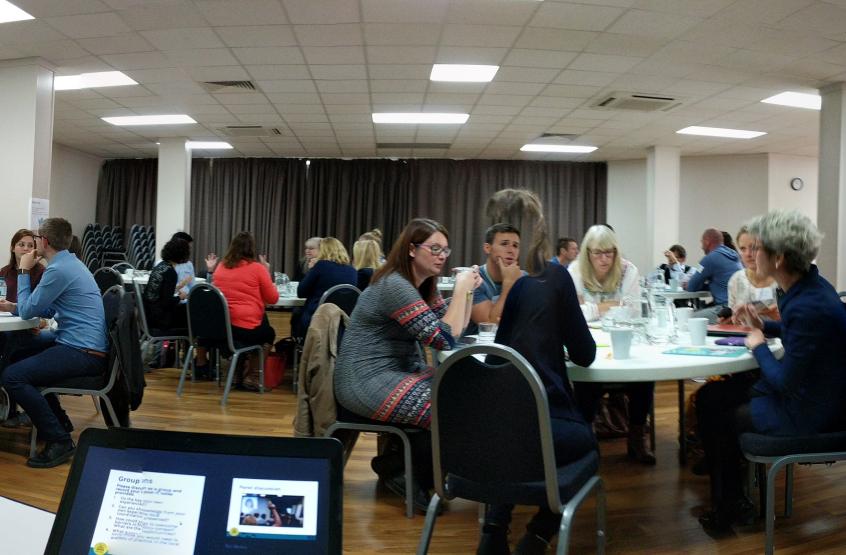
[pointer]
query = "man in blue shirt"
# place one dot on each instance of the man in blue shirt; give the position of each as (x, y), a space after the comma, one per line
(67, 289)
(502, 269)
(568, 251)
(719, 264)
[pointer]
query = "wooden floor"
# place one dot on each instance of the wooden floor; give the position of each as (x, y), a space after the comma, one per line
(650, 509)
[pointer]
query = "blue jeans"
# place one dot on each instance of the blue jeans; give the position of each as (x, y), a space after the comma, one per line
(58, 363)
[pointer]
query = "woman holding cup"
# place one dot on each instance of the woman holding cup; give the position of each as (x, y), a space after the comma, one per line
(801, 394)
(380, 372)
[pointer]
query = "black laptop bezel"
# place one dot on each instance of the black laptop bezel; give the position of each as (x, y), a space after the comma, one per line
(189, 442)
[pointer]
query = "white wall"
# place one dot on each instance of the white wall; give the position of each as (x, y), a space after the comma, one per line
(73, 186)
(721, 192)
(783, 168)
(626, 209)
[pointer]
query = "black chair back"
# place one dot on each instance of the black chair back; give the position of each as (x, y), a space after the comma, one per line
(345, 296)
(490, 427)
(111, 304)
(106, 278)
(208, 315)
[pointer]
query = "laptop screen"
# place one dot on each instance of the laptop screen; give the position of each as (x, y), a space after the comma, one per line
(234, 496)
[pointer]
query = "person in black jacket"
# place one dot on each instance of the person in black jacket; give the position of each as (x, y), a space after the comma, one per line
(163, 294)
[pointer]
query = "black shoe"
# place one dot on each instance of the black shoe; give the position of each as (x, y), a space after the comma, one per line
(396, 485)
(743, 512)
(715, 522)
(202, 372)
(53, 454)
(19, 420)
(493, 541)
(700, 467)
(531, 544)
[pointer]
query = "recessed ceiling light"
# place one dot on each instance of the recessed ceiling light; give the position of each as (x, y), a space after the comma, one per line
(463, 73)
(557, 148)
(419, 117)
(10, 12)
(173, 119)
(796, 100)
(92, 80)
(720, 132)
(209, 145)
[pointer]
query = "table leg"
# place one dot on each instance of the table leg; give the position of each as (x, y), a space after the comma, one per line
(682, 439)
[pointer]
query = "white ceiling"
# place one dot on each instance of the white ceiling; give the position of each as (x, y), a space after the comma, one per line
(322, 66)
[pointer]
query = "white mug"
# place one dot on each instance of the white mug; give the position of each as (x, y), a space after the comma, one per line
(698, 330)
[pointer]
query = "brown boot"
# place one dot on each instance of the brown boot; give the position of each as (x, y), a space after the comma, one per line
(638, 445)
(251, 374)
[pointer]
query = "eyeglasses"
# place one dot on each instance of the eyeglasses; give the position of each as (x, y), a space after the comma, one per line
(436, 250)
(603, 254)
(37, 236)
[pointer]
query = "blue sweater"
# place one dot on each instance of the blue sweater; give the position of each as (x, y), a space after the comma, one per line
(717, 268)
(322, 276)
(803, 393)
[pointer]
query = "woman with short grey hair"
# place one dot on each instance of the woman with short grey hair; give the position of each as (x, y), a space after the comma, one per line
(802, 393)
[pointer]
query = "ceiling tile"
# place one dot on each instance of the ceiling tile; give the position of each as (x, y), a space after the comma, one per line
(220, 13)
(322, 11)
(260, 35)
(485, 12)
(403, 34)
(89, 25)
(333, 54)
(542, 38)
(329, 35)
(287, 85)
(172, 15)
(401, 55)
(575, 16)
(591, 78)
(498, 87)
(201, 57)
(219, 73)
(272, 72)
(399, 71)
(267, 55)
(119, 44)
(338, 71)
(470, 55)
(538, 58)
(403, 11)
(157, 75)
(626, 45)
(604, 62)
(398, 85)
(339, 86)
(653, 24)
(479, 35)
(27, 32)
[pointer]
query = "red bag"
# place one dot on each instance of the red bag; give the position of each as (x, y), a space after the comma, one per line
(274, 369)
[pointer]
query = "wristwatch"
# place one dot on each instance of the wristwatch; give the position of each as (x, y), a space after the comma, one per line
(21, 271)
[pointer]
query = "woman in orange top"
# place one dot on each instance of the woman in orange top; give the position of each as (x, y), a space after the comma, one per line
(247, 286)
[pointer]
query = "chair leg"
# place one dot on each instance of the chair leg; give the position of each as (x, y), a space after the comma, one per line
(769, 518)
(229, 376)
(188, 357)
(261, 356)
(409, 476)
(788, 490)
(111, 410)
(32, 441)
(568, 511)
(96, 404)
(429, 525)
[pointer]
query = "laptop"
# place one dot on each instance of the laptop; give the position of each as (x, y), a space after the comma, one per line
(139, 492)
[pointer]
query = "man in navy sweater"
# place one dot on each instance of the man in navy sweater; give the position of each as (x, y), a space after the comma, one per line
(719, 264)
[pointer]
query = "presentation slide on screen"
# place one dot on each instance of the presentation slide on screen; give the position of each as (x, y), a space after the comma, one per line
(272, 509)
(148, 513)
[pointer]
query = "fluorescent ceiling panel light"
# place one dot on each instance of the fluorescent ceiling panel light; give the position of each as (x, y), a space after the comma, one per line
(463, 73)
(796, 100)
(557, 148)
(419, 117)
(209, 145)
(10, 12)
(720, 132)
(173, 119)
(92, 80)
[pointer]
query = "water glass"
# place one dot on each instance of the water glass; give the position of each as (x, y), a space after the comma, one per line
(487, 332)
(3, 288)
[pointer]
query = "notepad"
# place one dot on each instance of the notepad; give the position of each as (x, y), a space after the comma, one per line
(725, 352)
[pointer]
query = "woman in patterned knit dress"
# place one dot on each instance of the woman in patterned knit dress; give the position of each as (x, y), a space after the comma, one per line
(380, 372)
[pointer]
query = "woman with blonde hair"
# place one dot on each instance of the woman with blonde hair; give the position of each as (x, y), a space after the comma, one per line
(332, 267)
(367, 256)
(603, 279)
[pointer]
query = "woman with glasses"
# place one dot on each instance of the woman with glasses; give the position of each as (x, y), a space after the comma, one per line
(603, 279)
(332, 267)
(380, 372)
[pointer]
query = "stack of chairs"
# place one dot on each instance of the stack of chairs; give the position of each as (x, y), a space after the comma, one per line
(142, 247)
(102, 245)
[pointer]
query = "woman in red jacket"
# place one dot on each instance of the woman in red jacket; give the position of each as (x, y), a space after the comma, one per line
(247, 286)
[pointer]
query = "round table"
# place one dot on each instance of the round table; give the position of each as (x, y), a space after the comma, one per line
(648, 363)
(15, 323)
(677, 295)
(287, 302)
(144, 278)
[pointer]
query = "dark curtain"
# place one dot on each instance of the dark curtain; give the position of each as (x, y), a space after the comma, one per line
(126, 193)
(455, 192)
(261, 195)
(345, 198)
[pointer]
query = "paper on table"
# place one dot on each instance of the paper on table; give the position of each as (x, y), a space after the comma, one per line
(6, 314)
(725, 352)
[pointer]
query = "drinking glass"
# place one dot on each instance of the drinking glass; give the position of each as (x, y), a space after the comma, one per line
(487, 332)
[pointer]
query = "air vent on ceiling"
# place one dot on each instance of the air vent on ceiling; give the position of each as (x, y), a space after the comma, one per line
(439, 146)
(639, 102)
(228, 86)
(249, 131)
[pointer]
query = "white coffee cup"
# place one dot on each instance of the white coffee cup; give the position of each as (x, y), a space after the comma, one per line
(674, 284)
(698, 328)
(682, 316)
(621, 342)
